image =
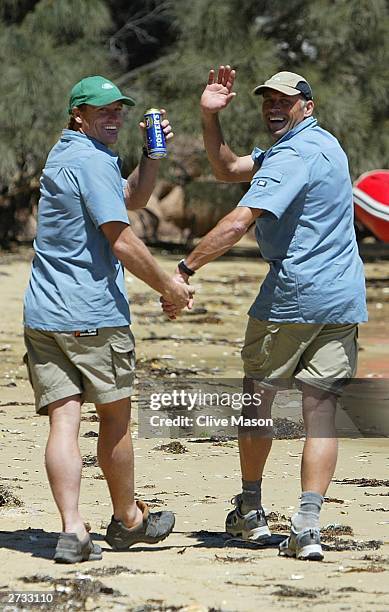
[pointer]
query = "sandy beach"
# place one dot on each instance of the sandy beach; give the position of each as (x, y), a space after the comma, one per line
(198, 567)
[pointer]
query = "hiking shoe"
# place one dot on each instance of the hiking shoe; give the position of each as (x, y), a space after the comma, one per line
(71, 550)
(154, 528)
(251, 526)
(303, 545)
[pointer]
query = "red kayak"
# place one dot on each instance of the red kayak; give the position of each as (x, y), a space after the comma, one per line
(371, 203)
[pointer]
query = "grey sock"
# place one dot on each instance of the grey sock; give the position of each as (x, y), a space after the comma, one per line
(251, 495)
(308, 515)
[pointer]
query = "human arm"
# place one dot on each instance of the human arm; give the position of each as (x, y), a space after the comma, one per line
(281, 179)
(219, 240)
(141, 182)
(228, 231)
(217, 95)
(137, 259)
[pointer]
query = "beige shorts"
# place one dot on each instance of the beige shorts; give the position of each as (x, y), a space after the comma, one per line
(100, 368)
(310, 352)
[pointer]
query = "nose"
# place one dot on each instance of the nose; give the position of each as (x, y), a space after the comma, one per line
(115, 115)
(275, 105)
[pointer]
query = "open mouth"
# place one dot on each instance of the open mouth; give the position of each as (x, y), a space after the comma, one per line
(277, 123)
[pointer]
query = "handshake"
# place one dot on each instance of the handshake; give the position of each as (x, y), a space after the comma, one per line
(178, 295)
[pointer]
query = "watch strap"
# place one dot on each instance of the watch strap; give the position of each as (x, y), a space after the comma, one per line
(184, 268)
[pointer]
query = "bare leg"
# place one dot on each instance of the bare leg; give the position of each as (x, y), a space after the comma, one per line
(116, 459)
(248, 520)
(321, 445)
(254, 446)
(63, 462)
(253, 453)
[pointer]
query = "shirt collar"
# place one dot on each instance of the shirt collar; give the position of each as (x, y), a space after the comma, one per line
(305, 123)
(89, 141)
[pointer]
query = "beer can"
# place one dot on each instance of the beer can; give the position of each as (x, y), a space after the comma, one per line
(155, 138)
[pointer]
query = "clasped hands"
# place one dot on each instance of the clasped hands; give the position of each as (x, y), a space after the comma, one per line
(173, 308)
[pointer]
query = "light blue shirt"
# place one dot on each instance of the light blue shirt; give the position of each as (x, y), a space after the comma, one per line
(76, 282)
(306, 233)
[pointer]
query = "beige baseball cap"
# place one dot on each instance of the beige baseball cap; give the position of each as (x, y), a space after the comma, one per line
(288, 83)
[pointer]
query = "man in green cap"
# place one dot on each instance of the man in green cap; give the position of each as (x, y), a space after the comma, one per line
(76, 314)
(303, 323)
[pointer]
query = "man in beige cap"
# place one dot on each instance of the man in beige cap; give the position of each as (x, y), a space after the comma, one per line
(303, 323)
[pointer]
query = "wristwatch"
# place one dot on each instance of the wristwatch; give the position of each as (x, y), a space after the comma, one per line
(184, 268)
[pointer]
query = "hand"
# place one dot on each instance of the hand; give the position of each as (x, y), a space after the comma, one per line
(178, 293)
(168, 306)
(165, 123)
(169, 309)
(218, 92)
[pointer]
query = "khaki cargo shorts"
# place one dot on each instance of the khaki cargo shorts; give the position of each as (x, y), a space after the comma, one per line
(322, 355)
(101, 368)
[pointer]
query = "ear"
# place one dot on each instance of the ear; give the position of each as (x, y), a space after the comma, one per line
(76, 114)
(308, 110)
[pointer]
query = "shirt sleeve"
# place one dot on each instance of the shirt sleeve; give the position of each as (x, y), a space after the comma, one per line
(277, 183)
(102, 190)
(257, 154)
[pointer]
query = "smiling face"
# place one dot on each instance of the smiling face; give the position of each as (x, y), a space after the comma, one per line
(100, 122)
(282, 113)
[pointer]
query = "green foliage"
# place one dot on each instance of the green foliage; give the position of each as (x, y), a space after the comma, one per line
(160, 52)
(340, 46)
(69, 20)
(352, 64)
(14, 11)
(44, 66)
(210, 33)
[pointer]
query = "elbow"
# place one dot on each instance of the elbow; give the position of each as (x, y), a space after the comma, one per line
(134, 204)
(234, 229)
(133, 200)
(119, 248)
(222, 174)
(238, 229)
(228, 173)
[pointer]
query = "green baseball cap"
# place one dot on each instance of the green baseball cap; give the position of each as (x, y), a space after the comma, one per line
(96, 91)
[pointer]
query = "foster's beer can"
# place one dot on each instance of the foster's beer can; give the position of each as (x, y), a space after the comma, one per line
(155, 138)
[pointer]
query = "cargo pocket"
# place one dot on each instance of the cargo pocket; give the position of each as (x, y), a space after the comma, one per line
(259, 346)
(123, 361)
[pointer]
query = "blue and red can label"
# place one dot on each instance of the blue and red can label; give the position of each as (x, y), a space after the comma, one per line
(155, 138)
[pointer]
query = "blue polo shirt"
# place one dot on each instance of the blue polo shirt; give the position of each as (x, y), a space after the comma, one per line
(306, 232)
(76, 282)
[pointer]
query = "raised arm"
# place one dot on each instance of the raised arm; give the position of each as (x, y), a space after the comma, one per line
(141, 182)
(217, 95)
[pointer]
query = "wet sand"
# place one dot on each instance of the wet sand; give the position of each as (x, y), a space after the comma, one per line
(197, 567)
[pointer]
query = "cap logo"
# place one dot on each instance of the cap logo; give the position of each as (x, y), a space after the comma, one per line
(107, 86)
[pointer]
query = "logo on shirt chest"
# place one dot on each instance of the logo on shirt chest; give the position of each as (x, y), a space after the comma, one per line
(262, 183)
